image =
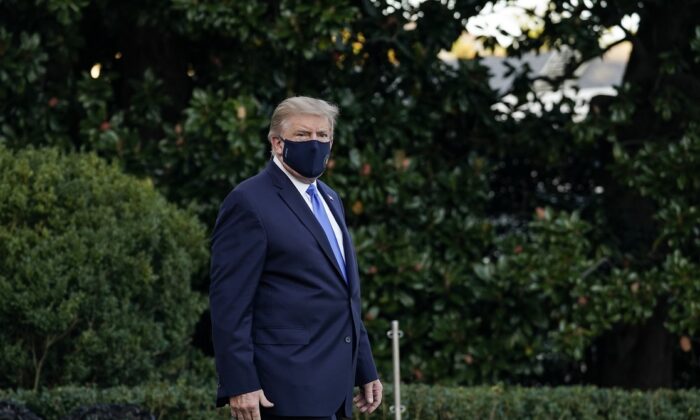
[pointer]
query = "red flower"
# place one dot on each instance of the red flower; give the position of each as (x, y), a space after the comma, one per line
(366, 169)
(686, 344)
(358, 207)
(540, 213)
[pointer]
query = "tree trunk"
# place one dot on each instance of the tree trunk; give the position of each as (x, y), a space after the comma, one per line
(634, 356)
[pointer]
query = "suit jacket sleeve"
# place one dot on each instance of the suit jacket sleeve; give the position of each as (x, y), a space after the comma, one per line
(238, 251)
(366, 370)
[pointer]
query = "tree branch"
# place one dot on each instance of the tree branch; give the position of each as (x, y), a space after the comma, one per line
(50, 341)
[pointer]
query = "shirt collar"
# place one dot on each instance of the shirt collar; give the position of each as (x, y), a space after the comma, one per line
(301, 186)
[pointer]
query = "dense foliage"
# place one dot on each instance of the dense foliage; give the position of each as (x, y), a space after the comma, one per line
(420, 401)
(531, 249)
(95, 285)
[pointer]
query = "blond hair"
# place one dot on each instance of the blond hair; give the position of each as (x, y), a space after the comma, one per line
(301, 105)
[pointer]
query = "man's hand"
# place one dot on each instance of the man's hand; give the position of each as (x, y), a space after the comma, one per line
(370, 396)
(247, 406)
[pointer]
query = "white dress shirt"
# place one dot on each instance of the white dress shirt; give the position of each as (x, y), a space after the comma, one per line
(307, 199)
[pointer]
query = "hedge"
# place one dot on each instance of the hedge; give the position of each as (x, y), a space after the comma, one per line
(422, 402)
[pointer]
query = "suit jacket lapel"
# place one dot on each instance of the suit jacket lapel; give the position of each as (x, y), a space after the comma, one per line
(290, 195)
(350, 265)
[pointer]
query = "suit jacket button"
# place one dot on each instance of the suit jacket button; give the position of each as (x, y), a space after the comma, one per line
(347, 339)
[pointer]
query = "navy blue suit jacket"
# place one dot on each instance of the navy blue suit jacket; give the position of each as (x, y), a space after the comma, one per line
(283, 318)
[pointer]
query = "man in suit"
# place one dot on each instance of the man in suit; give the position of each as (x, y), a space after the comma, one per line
(285, 294)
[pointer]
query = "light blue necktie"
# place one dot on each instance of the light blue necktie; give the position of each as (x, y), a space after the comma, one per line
(320, 213)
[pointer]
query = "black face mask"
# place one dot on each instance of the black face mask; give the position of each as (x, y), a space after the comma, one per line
(308, 157)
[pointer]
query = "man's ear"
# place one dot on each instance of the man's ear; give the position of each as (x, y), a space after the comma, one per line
(274, 140)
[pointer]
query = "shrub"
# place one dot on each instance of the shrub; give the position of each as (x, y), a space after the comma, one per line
(95, 273)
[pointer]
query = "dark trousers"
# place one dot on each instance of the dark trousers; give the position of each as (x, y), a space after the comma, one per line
(337, 416)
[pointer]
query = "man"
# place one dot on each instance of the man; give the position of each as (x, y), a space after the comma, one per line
(285, 295)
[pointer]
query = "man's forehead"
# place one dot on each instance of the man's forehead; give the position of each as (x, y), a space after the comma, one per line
(307, 122)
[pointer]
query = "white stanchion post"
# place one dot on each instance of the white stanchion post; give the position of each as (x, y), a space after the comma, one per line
(395, 334)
